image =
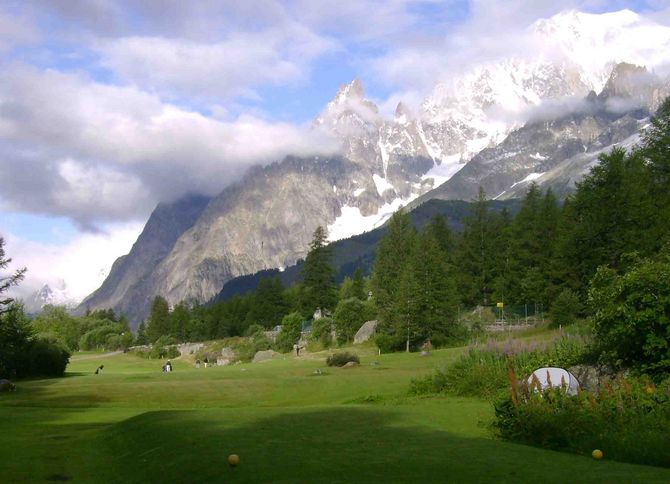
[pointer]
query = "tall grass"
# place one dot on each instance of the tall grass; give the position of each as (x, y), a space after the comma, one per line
(628, 419)
(482, 370)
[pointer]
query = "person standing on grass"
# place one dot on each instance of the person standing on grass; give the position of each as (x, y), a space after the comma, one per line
(206, 362)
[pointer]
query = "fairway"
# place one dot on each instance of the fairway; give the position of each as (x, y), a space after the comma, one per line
(133, 423)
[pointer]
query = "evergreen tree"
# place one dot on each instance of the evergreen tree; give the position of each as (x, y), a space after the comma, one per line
(7, 281)
(527, 253)
(180, 320)
(269, 306)
(159, 319)
(476, 257)
(318, 274)
(353, 286)
(142, 338)
(438, 229)
(436, 299)
(393, 252)
(613, 214)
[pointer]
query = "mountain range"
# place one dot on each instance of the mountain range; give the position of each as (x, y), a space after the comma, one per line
(500, 125)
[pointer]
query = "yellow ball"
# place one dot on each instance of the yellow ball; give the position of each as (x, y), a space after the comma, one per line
(597, 454)
(233, 459)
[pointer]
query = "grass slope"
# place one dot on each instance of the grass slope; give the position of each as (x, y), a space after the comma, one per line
(133, 423)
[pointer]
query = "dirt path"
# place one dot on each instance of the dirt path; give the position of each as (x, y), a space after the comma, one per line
(95, 357)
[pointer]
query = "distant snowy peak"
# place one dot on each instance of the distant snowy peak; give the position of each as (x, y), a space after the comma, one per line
(595, 42)
(349, 112)
(56, 296)
(567, 55)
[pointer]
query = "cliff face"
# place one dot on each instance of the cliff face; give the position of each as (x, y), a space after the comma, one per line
(123, 287)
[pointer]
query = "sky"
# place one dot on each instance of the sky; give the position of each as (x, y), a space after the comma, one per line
(109, 107)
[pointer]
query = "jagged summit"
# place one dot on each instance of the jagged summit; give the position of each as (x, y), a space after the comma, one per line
(353, 90)
(402, 113)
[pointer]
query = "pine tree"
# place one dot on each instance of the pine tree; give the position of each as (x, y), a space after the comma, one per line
(142, 338)
(7, 281)
(476, 256)
(436, 297)
(180, 320)
(318, 274)
(393, 252)
(159, 319)
(437, 227)
(269, 305)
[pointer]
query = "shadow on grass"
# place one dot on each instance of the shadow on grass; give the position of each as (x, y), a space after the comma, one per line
(37, 393)
(335, 445)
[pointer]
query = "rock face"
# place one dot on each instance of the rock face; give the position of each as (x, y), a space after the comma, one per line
(264, 356)
(127, 288)
(365, 332)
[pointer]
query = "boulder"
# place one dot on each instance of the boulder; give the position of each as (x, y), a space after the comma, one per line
(264, 355)
(7, 386)
(365, 332)
(223, 361)
(228, 353)
(588, 376)
(189, 348)
(350, 364)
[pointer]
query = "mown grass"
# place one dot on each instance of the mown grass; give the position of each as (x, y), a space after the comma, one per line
(133, 423)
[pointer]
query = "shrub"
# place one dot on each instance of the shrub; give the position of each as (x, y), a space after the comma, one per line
(254, 329)
(628, 419)
(322, 332)
(350, 314)
(341, 359)
(45, 357)
(388, 343)
(632, 320)
(290, 332)
(164, 347)
(565, 308)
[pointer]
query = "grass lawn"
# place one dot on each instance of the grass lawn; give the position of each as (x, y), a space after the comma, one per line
(133, 423)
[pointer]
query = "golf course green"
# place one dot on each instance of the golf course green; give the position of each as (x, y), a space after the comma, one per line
(289, 420)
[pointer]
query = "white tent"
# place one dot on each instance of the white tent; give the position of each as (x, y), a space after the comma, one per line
(555, 378)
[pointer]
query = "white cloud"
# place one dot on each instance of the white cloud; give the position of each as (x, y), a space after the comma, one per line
(213, 71)
(91, 151)
(82, 263)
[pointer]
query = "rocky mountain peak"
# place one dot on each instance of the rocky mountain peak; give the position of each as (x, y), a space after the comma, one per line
(352, 91)
(402, 114)
(624, 80)
(349, 111)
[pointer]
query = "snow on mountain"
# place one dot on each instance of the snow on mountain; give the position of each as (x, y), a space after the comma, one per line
(573, 53)
(58, 295)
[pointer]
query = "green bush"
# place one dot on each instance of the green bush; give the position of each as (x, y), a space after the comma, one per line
(322, 332)
(565, 309)
(632, 317)
(45, 357)
(290, 332)
(628, 419)
(253, 329)
(341, 359)
(350, 314)
(388, 343)
(164, 347)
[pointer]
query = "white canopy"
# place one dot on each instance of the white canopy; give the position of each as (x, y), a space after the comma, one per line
(555, 378)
